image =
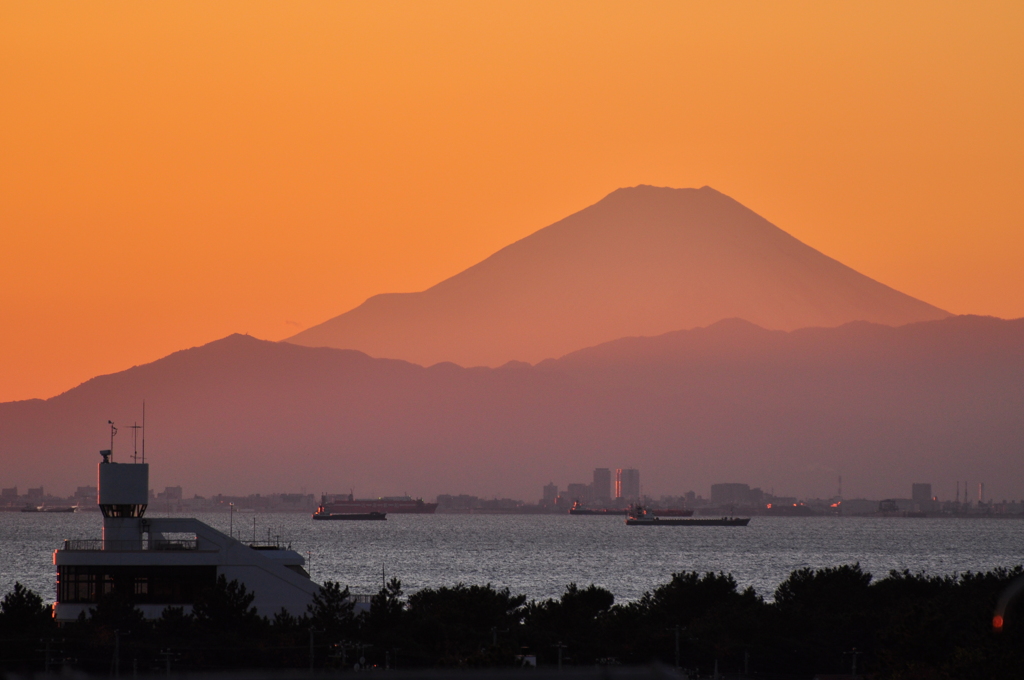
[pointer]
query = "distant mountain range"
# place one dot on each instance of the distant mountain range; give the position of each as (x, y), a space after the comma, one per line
(641, 262)
(884, 406)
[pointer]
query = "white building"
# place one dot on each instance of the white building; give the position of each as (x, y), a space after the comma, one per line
(167, 562)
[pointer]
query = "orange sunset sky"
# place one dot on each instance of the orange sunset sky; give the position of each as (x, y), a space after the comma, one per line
(171, 173)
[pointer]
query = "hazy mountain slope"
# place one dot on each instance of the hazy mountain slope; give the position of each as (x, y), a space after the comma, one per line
(933, 401)
(642, 261)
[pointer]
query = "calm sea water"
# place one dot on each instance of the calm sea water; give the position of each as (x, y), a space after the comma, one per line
(538, 555)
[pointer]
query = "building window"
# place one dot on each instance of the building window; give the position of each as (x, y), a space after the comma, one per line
(140, 584)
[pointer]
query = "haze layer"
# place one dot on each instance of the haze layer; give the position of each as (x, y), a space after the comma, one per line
(642, 261)
(936, 401)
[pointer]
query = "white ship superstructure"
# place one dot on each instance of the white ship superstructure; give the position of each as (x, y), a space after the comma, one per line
(166, 562)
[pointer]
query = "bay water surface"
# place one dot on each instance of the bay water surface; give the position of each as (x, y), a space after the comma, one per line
(538, 555)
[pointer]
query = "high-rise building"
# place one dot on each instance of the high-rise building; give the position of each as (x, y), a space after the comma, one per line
(601, 490)
(627, 483)
(550, 493)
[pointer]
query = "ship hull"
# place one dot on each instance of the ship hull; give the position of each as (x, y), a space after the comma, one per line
(577, 511)
(371, 516)
(699, 522)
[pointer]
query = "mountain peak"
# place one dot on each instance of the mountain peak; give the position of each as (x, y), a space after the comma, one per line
(652, 192)
(643, 260)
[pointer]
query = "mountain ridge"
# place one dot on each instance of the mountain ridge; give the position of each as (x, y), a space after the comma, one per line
(883, 406)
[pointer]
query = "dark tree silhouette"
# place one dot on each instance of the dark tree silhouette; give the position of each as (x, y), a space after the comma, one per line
(24, 620)
(383, 628)
(577, 620)
(226, 605)
(22, 610)
(332, 612)
(904, 627)
(465, 625)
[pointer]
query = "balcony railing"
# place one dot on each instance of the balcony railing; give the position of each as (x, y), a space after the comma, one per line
(96, 544)
(176, 544)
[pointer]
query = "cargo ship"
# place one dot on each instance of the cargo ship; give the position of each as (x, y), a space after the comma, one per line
(43, 508)
(578, 509)
(346, 504)
(320, 514)
(639, 516)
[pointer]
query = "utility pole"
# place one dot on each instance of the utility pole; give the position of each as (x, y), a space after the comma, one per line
(560, 647)
(167, 660)
(46, 652)
(677, 629)
(311, 652)
(853, 667)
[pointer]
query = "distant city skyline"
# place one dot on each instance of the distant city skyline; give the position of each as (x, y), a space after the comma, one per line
(727, 495)
(717, 492)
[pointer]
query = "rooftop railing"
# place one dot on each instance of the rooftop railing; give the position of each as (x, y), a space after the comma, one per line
(97, 544)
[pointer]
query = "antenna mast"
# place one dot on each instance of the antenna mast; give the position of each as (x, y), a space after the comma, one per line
(113, 431)
(143, 430)
(135, 441)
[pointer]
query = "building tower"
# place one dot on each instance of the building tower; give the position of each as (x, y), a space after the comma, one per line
(627, 484)
(123, 496)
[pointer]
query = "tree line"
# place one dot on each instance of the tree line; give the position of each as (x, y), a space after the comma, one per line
(903, 626)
